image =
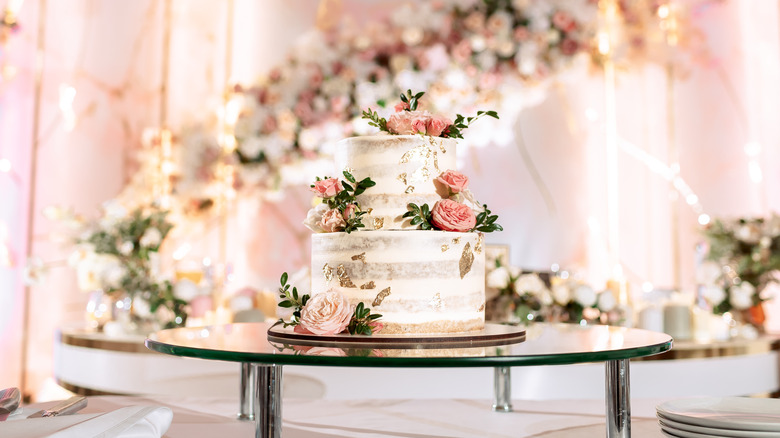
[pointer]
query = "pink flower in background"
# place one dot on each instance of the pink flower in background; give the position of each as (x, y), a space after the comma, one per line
(437, 124)
(332, 221)
(327, 188)
(569, 46)
(325, 313)
(449, 215)
(455, 181)
(401, 106)
(564, 21)
(401, 123)
(349, 211)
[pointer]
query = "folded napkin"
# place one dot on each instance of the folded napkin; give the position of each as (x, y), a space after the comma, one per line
(127, 422)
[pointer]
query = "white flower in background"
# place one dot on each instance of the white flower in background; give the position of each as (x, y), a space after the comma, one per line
(141, 308)
(186, 290)
(126, 247)
(748, 233)
(152, 238)
(251, 147)
(80, 253)
(561, 293)
(91, 271)
(530, 283)
(113, 274)
(34, 272)
(114, 212)
(741, 295)
(585, 295)
(713, 294)
(154, 266)
(606, 301)
(498, 278)
(708, 273)
(314, 216)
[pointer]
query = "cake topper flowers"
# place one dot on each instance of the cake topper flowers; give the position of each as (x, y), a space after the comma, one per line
(339, 210)
(451, 213)
(326, 313)
(408, 120)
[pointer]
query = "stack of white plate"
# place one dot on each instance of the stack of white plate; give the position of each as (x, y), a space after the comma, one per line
(720, 417)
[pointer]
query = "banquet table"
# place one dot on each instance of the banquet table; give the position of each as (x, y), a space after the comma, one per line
(543, 344)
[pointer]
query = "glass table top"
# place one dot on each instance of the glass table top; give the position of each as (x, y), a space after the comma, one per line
(544, 344)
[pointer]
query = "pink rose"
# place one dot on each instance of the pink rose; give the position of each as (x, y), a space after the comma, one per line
(569, 46)
(401, 123)
(401, 106)
(449, 215)
(332, 221)
(325, 313)
(455, 181)
(327, 188)
(437, 124)
(420, 124)
(349, 211)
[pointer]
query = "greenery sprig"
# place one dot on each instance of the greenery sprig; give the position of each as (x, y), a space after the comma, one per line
(290, 299)
(352, 189)
(362, 322)
(411, 99)
(375, 120)
(487, 222)
(456, 129)
(421, 216)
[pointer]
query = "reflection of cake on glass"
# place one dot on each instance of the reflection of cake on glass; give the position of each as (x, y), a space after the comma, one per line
(410, 246)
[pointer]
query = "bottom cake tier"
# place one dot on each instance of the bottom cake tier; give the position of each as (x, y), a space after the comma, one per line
(420, 281)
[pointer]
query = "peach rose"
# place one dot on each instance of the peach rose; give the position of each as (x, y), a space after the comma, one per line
(325, 313)
(455, 181)
(401, 123)
(449, 215)
(437, 124)
(420, 124)
(327, 188)
(332, 221)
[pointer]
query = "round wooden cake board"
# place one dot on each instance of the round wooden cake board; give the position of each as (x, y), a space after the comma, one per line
(492, 334)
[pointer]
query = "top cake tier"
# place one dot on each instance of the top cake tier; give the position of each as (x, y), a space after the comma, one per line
(404, 168)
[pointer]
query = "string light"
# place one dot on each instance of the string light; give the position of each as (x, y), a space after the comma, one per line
(67, 96)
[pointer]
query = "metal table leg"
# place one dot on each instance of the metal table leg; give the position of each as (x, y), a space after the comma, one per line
(502, 390)
(618, 399)
(247, 395)
(268, 401)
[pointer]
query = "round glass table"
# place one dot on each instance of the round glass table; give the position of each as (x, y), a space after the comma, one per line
(544, 344)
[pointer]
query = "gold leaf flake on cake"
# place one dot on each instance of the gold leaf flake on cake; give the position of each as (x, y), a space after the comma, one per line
(379, 222)
(381, 296)
(481, 308)
(369, 211)
(409, 190)
(402, 178)
(466, 260)
(456, 241)
(445, 247)
(361, 257)
(369, 285)
(435, 302)
(344, 280)
(478, 246)
(327, 271)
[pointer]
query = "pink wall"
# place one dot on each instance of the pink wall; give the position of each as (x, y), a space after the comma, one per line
(111, 53)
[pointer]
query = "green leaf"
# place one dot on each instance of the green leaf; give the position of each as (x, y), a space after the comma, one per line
(349, 177)
(284, 279)
(286, 304)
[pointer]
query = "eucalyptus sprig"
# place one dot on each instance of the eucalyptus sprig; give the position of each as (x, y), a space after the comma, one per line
(290, 299)
(487, 222)
(456, 129)
(421, 215)
(375, 120)
(363, 321)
